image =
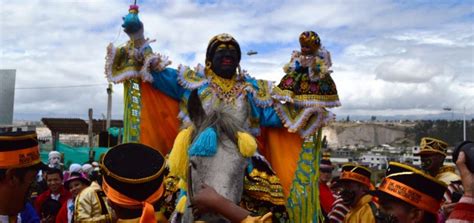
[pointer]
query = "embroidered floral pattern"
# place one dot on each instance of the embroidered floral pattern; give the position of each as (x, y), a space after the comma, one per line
(307, 82)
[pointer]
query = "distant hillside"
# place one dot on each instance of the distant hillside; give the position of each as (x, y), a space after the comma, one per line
(439, 116)
(341, 134)
(369, 134)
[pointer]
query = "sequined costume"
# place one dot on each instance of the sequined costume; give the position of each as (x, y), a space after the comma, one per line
(307, 81)
(250, 101)
(307, 84)
(91, 206)
(163, 96)
(124, 64)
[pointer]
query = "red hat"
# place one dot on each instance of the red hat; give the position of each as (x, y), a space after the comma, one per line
(77, 176)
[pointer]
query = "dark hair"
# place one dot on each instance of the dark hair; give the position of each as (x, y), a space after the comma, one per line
(96, 176)
(52, 171)
(75, 174)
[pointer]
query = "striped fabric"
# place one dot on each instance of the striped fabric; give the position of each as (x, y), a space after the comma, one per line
(338, 211)
(453, 187)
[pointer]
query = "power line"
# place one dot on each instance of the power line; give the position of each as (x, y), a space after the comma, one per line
(65, 86)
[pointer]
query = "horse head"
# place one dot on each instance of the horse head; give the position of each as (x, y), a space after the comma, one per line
(223, 170)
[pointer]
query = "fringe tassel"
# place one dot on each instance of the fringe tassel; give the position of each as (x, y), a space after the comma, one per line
(145, 72)
(109, 61)
(181, 205)
(247, 144)
(178, 159)
(191, 79)
(205, 144)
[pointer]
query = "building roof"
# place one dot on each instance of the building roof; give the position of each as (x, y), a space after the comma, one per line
(77, 126)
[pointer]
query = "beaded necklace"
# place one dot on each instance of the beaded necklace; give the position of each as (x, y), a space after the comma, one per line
(226, 89)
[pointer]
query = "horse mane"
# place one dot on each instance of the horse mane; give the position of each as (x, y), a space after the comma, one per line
(219, 118)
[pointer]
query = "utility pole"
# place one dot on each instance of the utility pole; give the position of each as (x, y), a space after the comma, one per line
(109, 106)
(90, 133)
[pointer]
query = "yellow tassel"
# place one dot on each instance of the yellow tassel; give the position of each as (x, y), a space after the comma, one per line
(181, 206)
(178, 160)
(247, 144)
(182, 185)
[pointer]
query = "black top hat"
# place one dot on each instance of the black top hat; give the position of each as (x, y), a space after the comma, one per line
(356, 173)
(134, 170)
(412, 186)
(19, 150)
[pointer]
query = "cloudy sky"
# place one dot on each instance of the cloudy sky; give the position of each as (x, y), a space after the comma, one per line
(389, 57)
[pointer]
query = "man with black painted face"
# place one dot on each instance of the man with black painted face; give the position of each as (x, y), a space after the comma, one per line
(221, 84)
(225, 60)
(355, 181)
(432, 154)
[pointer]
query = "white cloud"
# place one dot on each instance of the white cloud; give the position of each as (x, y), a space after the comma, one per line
(406, 70)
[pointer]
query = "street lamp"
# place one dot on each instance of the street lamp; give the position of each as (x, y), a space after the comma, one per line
(464, 122)
(109, 106)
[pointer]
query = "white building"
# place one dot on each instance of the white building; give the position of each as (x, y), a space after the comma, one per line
(416, 159)
(374, 160)
(409, 156)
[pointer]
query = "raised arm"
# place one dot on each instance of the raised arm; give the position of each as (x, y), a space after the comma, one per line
(166, 81)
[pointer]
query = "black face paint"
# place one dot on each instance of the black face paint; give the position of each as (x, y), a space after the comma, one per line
(382, 217)
(426, 163)
(347, 196)
(225, 62)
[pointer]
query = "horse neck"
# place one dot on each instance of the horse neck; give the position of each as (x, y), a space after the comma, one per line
(224, 171)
